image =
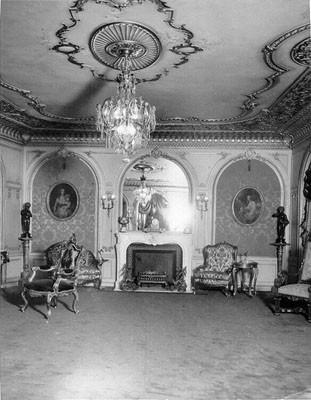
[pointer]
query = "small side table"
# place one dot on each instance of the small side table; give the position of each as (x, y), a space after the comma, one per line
(239, 270)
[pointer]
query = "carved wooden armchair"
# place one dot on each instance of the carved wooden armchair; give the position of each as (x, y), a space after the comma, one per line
(298, 294)
(52, 284)
(216, 271)
(59, 256)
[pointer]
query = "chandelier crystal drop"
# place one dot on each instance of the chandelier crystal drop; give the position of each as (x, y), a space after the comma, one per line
(126, 121)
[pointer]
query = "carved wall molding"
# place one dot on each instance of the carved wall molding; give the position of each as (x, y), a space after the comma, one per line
(13, 189)
(249, 155)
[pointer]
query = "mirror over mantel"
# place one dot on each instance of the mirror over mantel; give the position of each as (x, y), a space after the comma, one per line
(156, 196)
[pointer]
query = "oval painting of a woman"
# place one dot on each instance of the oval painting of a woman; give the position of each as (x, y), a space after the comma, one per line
(247, 206)
(62, 201)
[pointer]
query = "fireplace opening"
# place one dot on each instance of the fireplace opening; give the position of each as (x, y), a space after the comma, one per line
(154, 264)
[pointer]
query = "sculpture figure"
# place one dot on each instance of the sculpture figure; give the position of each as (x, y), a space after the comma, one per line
(282, 222)
(25, 219)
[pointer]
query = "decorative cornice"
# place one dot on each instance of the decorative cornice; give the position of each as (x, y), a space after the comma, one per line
(286, 122)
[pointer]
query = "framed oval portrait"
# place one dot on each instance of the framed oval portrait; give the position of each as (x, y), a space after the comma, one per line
(247, 206)
(62, 201)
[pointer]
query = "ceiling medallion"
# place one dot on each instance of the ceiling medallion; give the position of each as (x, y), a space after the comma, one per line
(125, 121)
(109, 42)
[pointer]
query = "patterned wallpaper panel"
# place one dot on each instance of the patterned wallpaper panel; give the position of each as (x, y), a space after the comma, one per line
(252, 237)
(46, 229)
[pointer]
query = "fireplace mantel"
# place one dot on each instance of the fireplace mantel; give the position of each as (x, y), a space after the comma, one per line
(124, 239)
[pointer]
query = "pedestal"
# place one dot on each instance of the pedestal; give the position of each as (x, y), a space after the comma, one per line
(279, 254)
(26, 246)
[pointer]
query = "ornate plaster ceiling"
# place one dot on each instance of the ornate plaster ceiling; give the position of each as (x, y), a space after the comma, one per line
(222, 69)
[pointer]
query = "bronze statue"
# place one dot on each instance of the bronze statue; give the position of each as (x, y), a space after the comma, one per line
(282, 222)
(25, 218)
(307, 184)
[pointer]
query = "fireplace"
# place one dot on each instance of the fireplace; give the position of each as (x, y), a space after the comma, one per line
(158, 257)
(161, 262)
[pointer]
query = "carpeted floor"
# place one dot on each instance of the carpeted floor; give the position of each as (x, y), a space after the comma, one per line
(125, 345)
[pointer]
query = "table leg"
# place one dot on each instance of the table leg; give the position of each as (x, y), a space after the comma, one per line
(251, 276)
(255, 279)
(234, 279)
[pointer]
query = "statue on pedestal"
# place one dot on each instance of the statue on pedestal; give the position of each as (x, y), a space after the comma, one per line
(282, 222)
(25, 220)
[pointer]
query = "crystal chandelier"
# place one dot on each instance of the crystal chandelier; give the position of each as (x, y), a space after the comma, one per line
(143, 193)
(126, 121)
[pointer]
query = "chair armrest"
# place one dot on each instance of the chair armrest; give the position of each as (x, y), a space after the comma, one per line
(36, 273)
(66, 276)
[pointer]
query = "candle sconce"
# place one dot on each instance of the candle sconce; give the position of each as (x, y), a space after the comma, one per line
(202, 203)
(108, 200)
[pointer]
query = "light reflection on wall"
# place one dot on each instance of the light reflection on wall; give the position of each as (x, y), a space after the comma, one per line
(169, 180)
(178, 213)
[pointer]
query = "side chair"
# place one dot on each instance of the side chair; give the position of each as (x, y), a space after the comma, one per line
(216, 271)
(298, 295)
(51, 284)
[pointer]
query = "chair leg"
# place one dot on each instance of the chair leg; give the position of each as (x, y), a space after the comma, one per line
(98, 283)
(277, 302)
(75, 300)
(49, 300)
(23, 294)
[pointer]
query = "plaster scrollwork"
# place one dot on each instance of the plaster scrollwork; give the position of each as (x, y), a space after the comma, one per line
(280, 158)
(183, 155)
(249, 155)
(184, 49)
(301, 53)
(224, 155)
(32, 155)
(294, 194)
(156, 152)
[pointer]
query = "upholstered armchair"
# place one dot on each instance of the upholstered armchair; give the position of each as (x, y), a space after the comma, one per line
(216, 271)
(51, 284)
(67, 254)
(296, 295)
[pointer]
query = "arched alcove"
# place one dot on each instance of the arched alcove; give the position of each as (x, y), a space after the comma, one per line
(247, 194)
(51, 223)
(166, 179)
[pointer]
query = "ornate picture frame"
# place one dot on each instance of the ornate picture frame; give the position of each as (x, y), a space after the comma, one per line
(62, 201)
(248, 206)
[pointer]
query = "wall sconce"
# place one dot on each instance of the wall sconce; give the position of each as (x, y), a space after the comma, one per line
(202, 202)
(108, 201)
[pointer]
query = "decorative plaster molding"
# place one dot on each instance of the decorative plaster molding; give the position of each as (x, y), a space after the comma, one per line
(300, 53)
(294, 193)
(13, 187)
(32, 155)
(184, 49)
(249, 155)
(265, 128)
(224, 155)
